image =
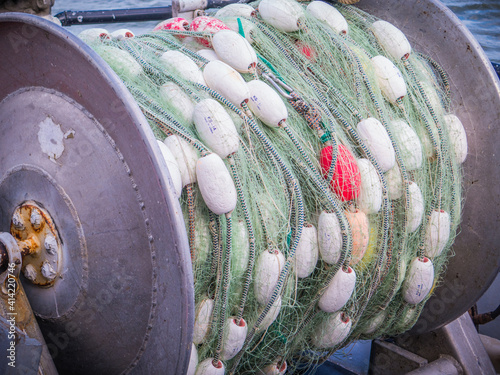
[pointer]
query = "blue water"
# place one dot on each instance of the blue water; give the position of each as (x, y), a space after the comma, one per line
(482, 17)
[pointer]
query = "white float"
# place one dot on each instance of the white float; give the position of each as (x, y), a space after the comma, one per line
(437, 233)
(175, 97)
(94, 34)
(216, 185)
(249, 28)
(419, 280)
(432, 96)
(306, 253)
(339, 290)
(215, 127)
(235, 10)
(122, 34)
(457, 136)
(266, 103)
(235, 51)
(330, 15)
(282, 14)
(376, 138)
(226, 81)
(207, 367)
(121, 61)
(409, 144)
(193, 361)
(234, 338)
(173, 168)
(391, 39)
(416, 210)
(332, 331)
(209, 54)
(186, 157)
(394, 182)
(375, 322)
(329, 237)
(370, 197)
(267, 271)
(182, 65)
(278, 367)
(202, 320)
(389, 78)
(271, 315)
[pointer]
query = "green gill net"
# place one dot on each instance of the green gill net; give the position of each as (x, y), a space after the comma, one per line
(329, 85)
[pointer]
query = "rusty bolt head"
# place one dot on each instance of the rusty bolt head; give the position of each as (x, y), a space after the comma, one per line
(36, 219)
(50, 244)
(18, 222)
(48, 272)
(30, 272)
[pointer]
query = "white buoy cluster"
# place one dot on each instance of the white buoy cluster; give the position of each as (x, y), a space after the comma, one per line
(383, 167)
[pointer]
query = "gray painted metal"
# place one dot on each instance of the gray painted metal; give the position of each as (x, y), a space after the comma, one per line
(434, 30)
(445, 365)
(125, 301)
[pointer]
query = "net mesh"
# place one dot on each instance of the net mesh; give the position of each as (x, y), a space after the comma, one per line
(329, 85)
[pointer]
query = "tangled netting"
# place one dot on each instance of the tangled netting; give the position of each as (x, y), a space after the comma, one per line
(335, 204)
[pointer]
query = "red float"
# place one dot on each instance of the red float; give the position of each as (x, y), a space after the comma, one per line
(207, 24)
(346, 181)
(177, 23)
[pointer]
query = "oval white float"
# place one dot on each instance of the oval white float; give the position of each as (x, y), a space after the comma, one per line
(215, 127)
(375, 322)
(234, 338)
(419, 280)
(235, 51)
(183, 66)
(282, 14)
(339, 290)
(207, 367)
(186, 157)
(193, 360)
(358, 221)
(330, 15)
(394, 182)
(226, 81)
(249, 28)
(235, 10)
(389, 78)
(332, 331)
(202, 320)
(209, 54)
(173, 168)
(94, 34)
(275, 368)
(373, 134)
(437, 233)
(329, 237)
(457, 136)
(370, 197)
(121, 61)
(266, 103)
(306, 253)
(416, 210)
(409, 144)
(175, 97)
(216, 185)
(267, 271)
(122, 34)
(272, 314)
(391, 39)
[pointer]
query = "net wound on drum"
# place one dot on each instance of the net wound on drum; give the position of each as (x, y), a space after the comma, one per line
(336, 124)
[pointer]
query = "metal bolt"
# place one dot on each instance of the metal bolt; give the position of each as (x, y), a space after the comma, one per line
(18, 222)
(50, 244)
(48, 272)
(30, 272)
(36, 219)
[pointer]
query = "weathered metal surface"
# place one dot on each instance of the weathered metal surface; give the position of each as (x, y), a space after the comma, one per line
(434, 30)
(126, 273)
(38, 240)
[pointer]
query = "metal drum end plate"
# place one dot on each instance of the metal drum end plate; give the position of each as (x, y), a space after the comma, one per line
(118, 295)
